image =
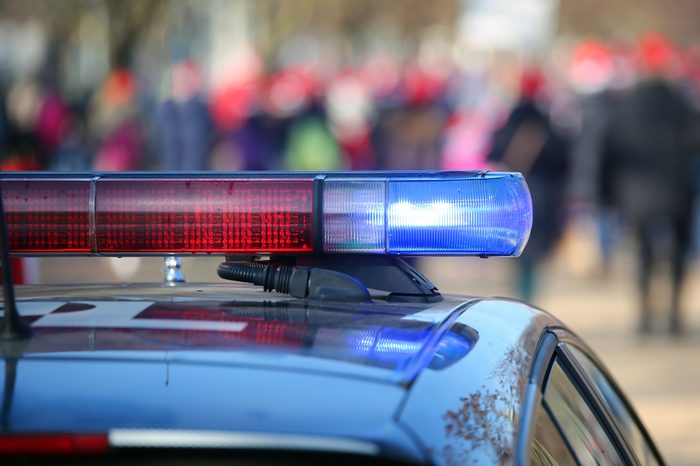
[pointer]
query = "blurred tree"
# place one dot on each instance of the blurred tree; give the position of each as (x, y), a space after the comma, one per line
(678, 19)
(278, 21)
(128, 20)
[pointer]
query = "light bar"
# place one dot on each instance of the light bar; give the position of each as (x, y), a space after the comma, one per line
(444, 213)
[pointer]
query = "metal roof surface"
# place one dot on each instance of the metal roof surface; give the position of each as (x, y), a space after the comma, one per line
(233, 359)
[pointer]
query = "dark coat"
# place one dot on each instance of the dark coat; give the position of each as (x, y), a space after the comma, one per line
(646, 160)
(527, 143)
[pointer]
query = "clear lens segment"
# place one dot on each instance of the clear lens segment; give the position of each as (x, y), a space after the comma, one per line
(377, 213)
(354, 214)
(489, 214)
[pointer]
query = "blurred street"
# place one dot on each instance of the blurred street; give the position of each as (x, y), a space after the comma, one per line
(660, 374)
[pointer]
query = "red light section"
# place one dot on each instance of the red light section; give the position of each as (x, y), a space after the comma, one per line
(47, 216)
(158, 216)
(52, 444)
(212, 216)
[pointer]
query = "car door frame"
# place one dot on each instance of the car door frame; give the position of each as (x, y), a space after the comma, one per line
(552, 345)
(566, 337)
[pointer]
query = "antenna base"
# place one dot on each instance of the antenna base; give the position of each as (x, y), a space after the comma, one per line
(13, 326)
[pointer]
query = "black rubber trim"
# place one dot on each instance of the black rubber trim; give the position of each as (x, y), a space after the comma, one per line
(567, 337)
(544, 355)
(580, 381)
(317, 214)
(548, 410)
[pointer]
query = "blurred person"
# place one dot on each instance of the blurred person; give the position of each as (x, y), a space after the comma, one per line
(293, 100)
(74, 150)
(41, 127)
(312, 146)
(477, 111)
(4, 122)
(468, 137)
(409, 138)
(349, 105)
(116, 124)
(691, 84)
(646, 173)
(287, 128)
(265, 121)
(20, 162)
(529, 144)
(286, 102)
(410, 126)
(52, 124)
(22, 107)
(597, 74)
(184, 126)
(240, 141)
(261, 142)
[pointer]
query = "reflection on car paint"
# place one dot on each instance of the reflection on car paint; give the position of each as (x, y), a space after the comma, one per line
(484, 416)
(381, 340)
(470, 412)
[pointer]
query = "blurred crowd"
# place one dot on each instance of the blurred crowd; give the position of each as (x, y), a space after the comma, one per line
(602, 131)
(380, 113)
(631, 162)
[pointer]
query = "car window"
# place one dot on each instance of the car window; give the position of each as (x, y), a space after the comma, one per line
(617, 408)
(548, 447)
(577, 422)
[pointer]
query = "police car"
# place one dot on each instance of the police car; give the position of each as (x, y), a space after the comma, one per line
(319, 345)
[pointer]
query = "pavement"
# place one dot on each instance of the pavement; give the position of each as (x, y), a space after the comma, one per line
(660, 374)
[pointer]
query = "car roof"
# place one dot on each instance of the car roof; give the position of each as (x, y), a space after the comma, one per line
(386, 342)
(230, 358)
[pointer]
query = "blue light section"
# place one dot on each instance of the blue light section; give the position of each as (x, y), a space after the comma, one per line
(442, 214)
(489, 215)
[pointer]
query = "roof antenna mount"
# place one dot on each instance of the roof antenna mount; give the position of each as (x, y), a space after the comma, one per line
(13, 326)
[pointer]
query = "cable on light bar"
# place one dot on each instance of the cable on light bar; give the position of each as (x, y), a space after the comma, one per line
(446, 213)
